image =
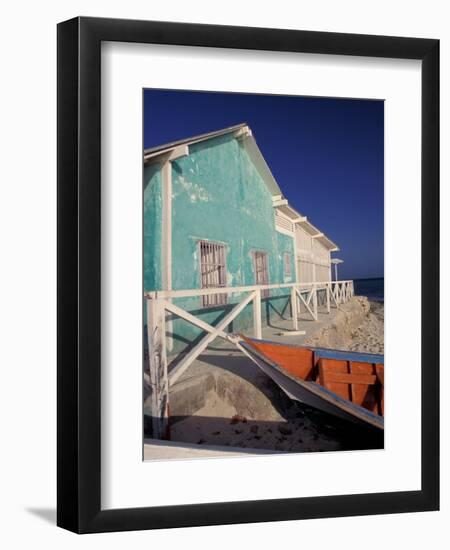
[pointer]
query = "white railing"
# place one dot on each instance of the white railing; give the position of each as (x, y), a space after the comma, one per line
(237, 289)
(159, 303)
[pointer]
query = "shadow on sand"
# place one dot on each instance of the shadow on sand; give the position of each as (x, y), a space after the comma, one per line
(302, 430)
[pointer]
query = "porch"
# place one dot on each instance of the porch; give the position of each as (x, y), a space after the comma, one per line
(309, 303)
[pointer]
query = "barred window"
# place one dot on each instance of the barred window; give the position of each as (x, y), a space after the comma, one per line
(213, 271)
(261, 269)
(287, 264)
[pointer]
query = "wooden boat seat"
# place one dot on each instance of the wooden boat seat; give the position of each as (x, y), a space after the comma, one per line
(360, 383)
(348, 378)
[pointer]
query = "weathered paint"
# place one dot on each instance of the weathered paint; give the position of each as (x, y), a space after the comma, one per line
(217, 195)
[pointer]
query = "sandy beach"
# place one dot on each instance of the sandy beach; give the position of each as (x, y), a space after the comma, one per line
(365, 336)
(369, 337)
(297, 429)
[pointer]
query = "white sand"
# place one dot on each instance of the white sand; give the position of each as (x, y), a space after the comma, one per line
(358, 326)
(218, 423)
(369, 336)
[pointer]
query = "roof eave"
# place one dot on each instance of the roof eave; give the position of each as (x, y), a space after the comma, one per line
(314, 232)
(153, 153)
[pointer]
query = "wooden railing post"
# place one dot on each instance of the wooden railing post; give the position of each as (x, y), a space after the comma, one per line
(294, 308)
(314, 299)
(157, 360)
(327, 289)
(257, 315)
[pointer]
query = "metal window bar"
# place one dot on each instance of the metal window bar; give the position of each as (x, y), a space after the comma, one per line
(261, 271)
(213, 272)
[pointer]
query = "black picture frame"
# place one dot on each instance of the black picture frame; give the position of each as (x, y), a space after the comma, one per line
(79, 276)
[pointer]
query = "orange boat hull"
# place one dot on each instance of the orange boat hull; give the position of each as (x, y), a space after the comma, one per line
(351, 377)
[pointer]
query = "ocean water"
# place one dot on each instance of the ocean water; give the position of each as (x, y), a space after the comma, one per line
(372, 288)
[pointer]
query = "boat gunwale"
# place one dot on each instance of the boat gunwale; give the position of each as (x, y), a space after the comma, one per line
(327, 353)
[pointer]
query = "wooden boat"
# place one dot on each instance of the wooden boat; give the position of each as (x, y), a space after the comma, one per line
(346, 384)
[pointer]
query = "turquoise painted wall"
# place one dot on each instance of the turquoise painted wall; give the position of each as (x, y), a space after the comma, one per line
(217, 195)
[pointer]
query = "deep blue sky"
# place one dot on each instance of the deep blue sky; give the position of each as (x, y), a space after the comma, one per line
(326, 154)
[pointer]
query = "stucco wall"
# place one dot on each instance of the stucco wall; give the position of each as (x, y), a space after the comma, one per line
(217, 195)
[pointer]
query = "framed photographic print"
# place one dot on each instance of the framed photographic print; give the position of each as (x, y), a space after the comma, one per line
(248, 230)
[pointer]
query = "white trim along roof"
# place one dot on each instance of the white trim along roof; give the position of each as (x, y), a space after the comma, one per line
(243, 133)
(280, 203)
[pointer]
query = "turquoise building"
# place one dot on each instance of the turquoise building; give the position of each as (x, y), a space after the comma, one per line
(214, 216)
